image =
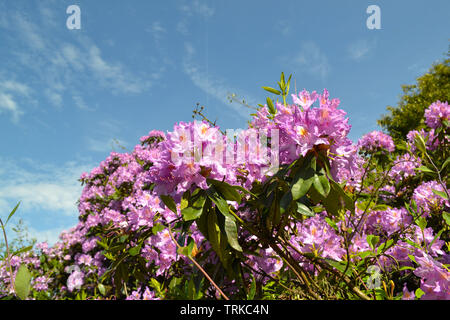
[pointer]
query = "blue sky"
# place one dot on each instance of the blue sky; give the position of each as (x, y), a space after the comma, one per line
(134, 66)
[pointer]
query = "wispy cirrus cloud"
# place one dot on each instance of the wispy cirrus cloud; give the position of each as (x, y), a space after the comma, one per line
(197, 7)
(47, 193)
(312, 60)
(190, 10)
(360, 49)
(212, 85)
(41, 188)
(58, 68)
(9, 105)
(106, 137)
(10, 91)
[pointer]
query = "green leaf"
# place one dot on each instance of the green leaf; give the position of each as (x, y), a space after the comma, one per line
(228, 191)
(232, 236)
(157, 228)
(304, 210)
(214, 235)
(322, 185)
(302, 183)
(440, 194)
(251, 293)
(285, 201)
(446, 162)
(168, 201)
(419, 293)
(195, 209)
(22, 250)
(12, 213)
(446, 217)
(272, 90)
(424, 169)
(331, 223)
(422, 223)
(372, 240)
(336, 200)
(101, 289)
(134, 251)
(384, 246)
(420, 143)
(220, 202)
(410, 256)
(187, 250)
(271, 107)
(22, 282)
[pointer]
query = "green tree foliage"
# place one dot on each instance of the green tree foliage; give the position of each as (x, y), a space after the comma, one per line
(408, 114)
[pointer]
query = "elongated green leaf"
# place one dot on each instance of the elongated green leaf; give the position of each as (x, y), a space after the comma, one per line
(232, 236)
(420, 143)
(446, 162)
(168, 201)
(441, 194)
(271, 107)
(251, 293)
(22, 282)
(12, 213)
(303, 184)
(101, 289)
(227, 190)
(304, 210)
(322, 185)
(285, 201)
(214, 235)
(22, 250)
(272, 90)
(446, 217)
(424, 169)
(220, 202)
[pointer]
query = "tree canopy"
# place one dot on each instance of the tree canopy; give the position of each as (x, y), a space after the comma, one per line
(408, 114)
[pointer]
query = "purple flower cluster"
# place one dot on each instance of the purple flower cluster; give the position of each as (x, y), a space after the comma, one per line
(376, 140)
(122, 197)
(436, 113)
(428, 136)
(435, 279)
(404, 166)
(427, 201)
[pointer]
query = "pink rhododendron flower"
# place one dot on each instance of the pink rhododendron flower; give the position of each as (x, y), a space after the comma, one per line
(436, 113)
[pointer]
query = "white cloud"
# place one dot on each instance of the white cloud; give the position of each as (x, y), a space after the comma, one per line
(192, 10)
(65, 69)
(41, 188)
(360, 49)
(8, 104)
(51, 236)
(198, 7)
(213, 86)
(312, 60)
(283, 27)
(157, 30)
(80, 103)
(28, 31)
(10, 85)
(104, 139)
(105, 145)
(55, 98)
(10, 90)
